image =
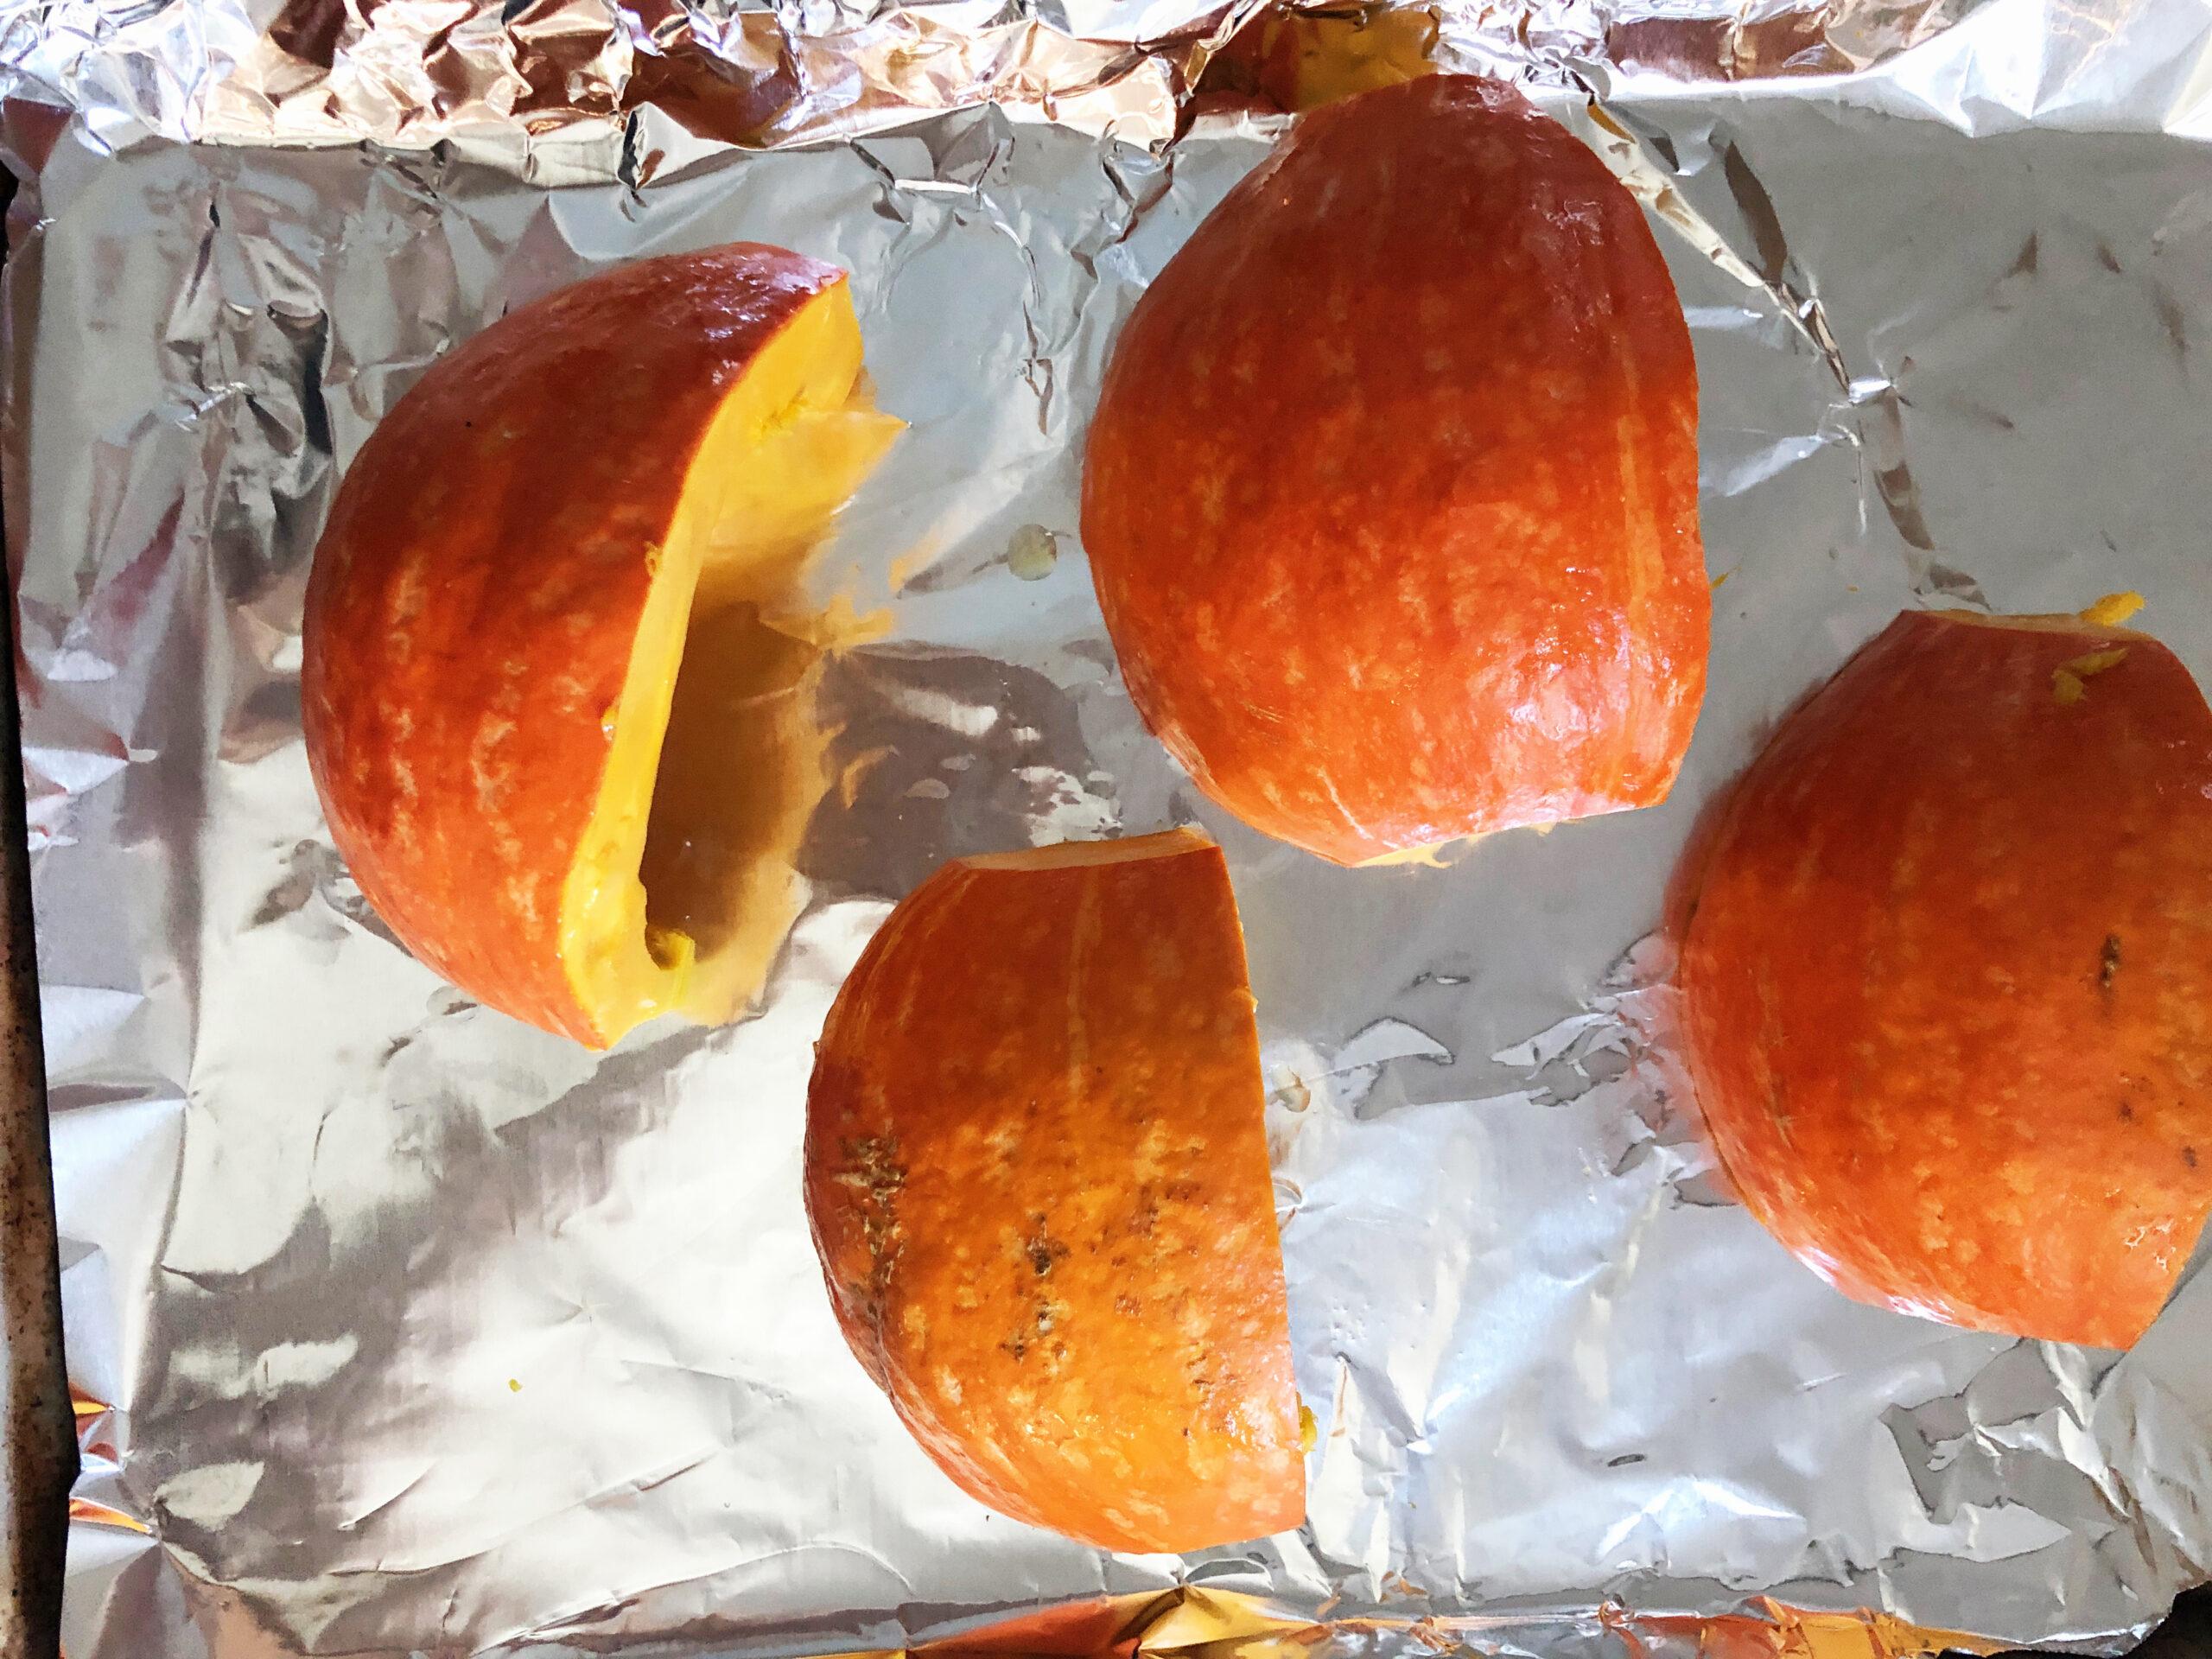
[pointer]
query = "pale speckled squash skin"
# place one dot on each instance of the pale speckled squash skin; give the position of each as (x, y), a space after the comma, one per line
(474, 600)
(1036, 1173)
(1947, 979)
(1391, 498)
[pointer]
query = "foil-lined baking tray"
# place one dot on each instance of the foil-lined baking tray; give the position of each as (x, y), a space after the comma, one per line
(398, 1327)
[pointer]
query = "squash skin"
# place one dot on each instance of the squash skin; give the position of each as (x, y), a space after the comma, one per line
(1947, 978)
(1391, 497)
(475, 596)
(1037, 1174)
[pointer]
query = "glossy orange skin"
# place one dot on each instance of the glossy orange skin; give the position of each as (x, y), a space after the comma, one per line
(1948, 981)
(1391, 498)
(474, 597)
(1037, 1178)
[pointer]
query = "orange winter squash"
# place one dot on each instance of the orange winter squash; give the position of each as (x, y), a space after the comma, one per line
(1038, 1177)
(1947, 977)
(499, 607)
(1391, 497)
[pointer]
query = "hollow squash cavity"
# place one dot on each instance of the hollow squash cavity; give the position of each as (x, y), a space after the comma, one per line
(684, 886)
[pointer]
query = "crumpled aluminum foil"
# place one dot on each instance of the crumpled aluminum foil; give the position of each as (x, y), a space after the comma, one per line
(398, 1327)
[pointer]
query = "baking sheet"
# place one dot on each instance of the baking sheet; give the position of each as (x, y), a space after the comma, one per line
(400, 1327)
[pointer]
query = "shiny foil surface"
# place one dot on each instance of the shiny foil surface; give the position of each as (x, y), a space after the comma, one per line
(398, 1327)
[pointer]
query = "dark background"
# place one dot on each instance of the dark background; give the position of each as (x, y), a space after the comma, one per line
(2188, 1634)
